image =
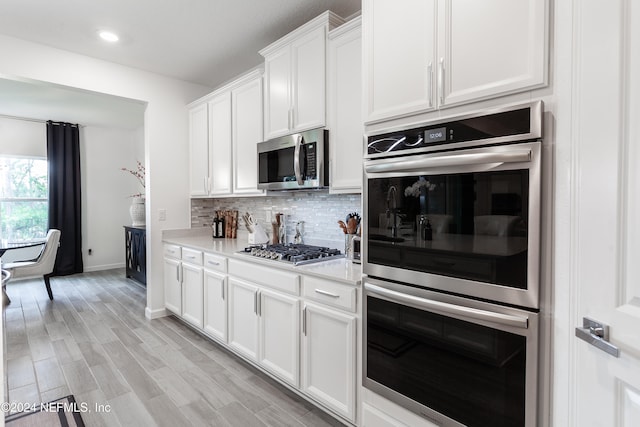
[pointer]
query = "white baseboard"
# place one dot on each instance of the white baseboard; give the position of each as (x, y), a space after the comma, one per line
(103, 267)
(155, 314)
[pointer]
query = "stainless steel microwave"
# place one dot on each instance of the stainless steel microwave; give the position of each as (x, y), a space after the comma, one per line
(294, 162)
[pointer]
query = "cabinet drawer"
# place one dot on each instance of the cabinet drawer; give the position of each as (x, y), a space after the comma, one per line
(215, 263)
(191, 256)
(172, 251)
(330, 293)
(267, 276)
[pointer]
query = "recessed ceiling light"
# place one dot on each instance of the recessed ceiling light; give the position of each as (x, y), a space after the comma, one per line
(108, 36)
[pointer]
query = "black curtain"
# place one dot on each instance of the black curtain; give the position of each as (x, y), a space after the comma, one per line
(63, 155)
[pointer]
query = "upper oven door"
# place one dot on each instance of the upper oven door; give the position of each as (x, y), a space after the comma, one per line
(463, 221)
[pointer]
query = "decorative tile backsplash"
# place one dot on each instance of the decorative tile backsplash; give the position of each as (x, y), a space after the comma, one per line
(320, 212)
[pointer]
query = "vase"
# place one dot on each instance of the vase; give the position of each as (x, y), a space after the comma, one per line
(137, 212)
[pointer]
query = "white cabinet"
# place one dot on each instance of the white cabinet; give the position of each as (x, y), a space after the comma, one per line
(172, 279)
(243, 318)
(295, 74)
(344, 120)
(246, 117)
(198, 150)
(329, 358)
(192, 287)
(221, 144)
(215, 296)
(279, 334)
(215, 304)
(450, 52)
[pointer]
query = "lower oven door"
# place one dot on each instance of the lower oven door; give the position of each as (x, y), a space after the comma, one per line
(454, 360)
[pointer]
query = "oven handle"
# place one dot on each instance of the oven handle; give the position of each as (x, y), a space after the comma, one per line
(419, 164)
(446, 308)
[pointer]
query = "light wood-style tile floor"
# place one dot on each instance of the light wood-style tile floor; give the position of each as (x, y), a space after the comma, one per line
(94, 342)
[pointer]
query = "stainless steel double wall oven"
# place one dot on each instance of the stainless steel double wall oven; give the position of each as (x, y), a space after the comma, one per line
(451, 251)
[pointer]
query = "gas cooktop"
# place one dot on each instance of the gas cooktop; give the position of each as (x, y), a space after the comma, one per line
(296, 254)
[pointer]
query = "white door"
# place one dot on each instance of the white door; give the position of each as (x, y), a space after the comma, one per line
(399, 57)
(243, 317)
(602, 219)
(247, 133)
(198, 151)
(279, 335)
(277, 105)
(215, 305)
(192, 303)
(220, 144)
(329, 358)
(308, 78)
(489, 48)
(172, 286)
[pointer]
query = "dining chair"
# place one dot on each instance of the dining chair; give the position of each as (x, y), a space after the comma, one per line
(42, 266)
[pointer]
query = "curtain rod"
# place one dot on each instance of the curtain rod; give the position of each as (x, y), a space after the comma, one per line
(27, 119)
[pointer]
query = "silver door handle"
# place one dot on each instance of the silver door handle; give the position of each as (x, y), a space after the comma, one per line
(430, 83)
(329, 294)
(304, 321)
(446, 308)
(296, 159)
(597, 334)
(213, 263)
(441, 81)
(222, 289)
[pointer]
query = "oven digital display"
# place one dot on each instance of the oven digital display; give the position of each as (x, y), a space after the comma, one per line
(435, 135)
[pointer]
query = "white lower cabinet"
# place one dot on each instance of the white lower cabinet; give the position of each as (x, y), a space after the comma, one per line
(172, 286)
(279, 335)
(215, 305)
(192, 292)
(243, 318)
(329, 358)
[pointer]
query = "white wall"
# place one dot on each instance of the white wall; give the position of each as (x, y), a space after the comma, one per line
(22, 138)
(165, 134)
(105, 191)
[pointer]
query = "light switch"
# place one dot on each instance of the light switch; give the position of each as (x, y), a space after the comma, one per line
(162, 215)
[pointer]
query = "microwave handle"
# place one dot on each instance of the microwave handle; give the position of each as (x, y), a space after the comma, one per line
(296, 159)
(445, 308)
(423, 163)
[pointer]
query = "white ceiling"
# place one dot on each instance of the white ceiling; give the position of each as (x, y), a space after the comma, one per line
(200, 41)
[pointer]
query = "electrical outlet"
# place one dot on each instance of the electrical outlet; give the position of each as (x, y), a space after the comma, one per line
(162, 215)
(267, 214)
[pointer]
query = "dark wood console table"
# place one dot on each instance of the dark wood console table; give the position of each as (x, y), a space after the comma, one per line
(135, 242)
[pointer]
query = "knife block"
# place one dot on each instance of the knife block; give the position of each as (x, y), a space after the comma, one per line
(258, 236)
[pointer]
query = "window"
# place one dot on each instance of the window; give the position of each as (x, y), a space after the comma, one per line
(23, 198)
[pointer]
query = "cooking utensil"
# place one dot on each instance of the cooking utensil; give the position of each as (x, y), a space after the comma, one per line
(249, 222)
(343, 226)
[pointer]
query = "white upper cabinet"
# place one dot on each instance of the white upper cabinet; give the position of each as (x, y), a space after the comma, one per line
(431, 54)
(225, 128)
(295, 74)
(199, 150)
(221, 144)
(344, 97)
(246, 114)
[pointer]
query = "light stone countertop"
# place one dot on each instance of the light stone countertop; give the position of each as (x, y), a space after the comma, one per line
(341, 270)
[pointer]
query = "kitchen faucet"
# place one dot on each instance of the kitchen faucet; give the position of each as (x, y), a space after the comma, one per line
(393, 191)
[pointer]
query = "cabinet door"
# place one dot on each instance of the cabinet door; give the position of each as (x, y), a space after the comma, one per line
(172, 286)
(220, 144)
(279, 335)
(247, 132)
(329, 358)
(345, 112)
(399, 57)
(192, 294)
(215, 305)
(490, 48)
(308, 76)
(277, 94)
(243, 318)
(198, 151)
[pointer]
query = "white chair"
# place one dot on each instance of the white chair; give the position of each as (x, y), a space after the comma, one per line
(42, 266)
